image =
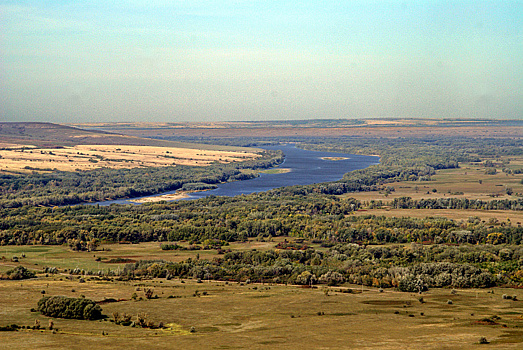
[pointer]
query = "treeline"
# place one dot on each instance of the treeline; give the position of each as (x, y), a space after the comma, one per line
(263, 215)
(66, 188)
(412, 268)
(409, 268)
(457, 203)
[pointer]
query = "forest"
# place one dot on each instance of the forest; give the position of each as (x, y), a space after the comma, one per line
(468, 253)
(402, 252)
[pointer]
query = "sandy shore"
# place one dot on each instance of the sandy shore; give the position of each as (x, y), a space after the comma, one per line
(276, 171)
(165, 197)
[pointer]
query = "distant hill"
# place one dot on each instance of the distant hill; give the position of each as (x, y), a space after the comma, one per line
(378, 127)
(54, 135)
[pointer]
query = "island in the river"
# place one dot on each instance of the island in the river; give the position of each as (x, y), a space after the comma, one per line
(276, 171)
(334, 158)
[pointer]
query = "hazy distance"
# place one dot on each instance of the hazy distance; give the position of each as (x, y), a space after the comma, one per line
(160, 60)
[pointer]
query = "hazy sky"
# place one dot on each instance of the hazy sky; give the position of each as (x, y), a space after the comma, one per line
(195, 60)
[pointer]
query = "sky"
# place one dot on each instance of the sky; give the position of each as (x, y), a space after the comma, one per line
(69, 61)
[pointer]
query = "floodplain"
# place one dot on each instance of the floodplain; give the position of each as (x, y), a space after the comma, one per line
(229, 314)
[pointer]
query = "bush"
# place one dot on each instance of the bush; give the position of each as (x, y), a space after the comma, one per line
(19, 273)
(64, 307)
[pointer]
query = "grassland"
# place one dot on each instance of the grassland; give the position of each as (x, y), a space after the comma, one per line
(87, 157)
(239, 315)
(467, 181)
(27, 147)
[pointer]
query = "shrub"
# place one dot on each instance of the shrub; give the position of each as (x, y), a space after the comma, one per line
(149, 293)
(9, 328)
(19, 273)
(64, 307)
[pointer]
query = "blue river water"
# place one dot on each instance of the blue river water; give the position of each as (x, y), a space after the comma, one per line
(306, 167)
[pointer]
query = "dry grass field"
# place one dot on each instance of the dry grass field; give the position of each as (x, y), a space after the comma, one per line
(26, 147)
(252, 316)
(264, 316)
(467, 181)
(367, 128)
(85, 157)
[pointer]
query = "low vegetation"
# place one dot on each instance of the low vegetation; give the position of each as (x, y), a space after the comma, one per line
(18, 273)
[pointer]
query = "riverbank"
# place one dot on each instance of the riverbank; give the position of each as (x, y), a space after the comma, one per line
(301, 167)
(163, 197)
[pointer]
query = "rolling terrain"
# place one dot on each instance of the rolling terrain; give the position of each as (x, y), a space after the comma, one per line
(46, 147)
(423, 250)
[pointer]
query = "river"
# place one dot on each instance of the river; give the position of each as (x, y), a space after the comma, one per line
(304, 168)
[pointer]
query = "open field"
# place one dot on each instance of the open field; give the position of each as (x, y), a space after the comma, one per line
(62, 257)
(26, 147)
(251, 316)
(85, 157)
(319, 128)
(467, 181)
(266, 316)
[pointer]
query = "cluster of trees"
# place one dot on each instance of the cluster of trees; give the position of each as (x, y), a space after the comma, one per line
(18, 273)
(64, 307)
(411, 267)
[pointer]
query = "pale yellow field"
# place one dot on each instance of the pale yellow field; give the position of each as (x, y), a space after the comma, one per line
(87, 157)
